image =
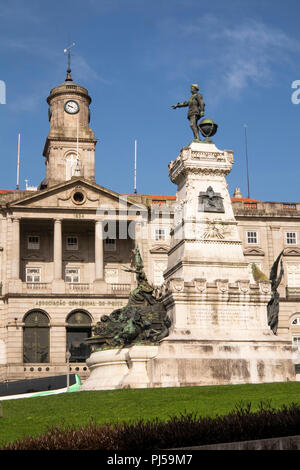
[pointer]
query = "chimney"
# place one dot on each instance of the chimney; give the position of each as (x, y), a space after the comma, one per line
(237, 193)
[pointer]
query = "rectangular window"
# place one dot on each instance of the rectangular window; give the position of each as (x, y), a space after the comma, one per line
(289, 207)
(33, 242)
(252, 237)
(110, 244)
(291, 238)
(111, 275)
(296, 341)
(250, 205)
(33, 274)
(72, 243)
(72, 275)
(160, 234)
(293, 274)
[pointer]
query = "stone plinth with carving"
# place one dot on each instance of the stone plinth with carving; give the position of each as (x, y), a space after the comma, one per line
(219, 330)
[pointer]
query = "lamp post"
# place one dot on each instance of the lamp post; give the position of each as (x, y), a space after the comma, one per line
(68, 355)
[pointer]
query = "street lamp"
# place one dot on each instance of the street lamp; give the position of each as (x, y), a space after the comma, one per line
(68, 355)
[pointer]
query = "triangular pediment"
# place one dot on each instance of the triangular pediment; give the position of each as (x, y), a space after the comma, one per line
(291, 252)
(159, 249)
(255, 251)
(77, 193)
(73, 258)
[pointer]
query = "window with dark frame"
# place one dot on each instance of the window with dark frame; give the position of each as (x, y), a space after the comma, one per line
(72, 243)
(33, 242)
(252, 237)
(78, 330)
(291, 238)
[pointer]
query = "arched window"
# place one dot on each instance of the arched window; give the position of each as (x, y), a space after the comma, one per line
(78, 329)
(71, 162)
(36, 337)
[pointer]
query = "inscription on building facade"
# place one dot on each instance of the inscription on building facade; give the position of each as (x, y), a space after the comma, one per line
(78, 303)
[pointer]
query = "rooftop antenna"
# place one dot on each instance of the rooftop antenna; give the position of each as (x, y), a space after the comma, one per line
(68, 51)
(135, 154)
(246, 147)
(18, 165)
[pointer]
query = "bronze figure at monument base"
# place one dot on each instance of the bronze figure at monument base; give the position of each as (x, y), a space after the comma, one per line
(142, 321)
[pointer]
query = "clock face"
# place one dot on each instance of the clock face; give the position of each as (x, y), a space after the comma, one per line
(71, 107)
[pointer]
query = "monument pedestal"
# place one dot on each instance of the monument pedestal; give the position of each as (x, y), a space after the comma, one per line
(120, 368)
(219, 332)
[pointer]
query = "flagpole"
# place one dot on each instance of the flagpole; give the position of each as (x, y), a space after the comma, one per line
(246, 148)
(18, 165)
(135, 155)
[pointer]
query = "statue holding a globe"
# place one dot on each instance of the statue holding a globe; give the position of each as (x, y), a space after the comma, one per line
(196, 108)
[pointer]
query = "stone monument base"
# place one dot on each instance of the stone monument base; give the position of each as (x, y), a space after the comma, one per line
(120, 368)
(180, 361)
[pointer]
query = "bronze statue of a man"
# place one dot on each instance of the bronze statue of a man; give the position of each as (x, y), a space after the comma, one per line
(196, 107)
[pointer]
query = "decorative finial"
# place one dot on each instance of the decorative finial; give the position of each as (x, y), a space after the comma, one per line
(68, 51)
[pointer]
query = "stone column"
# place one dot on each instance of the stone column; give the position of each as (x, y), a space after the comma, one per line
(57, 251)
(99, 270)
(15, 274)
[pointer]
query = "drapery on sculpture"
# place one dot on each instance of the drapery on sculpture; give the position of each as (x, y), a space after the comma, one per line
(273, 304)
(142, 321)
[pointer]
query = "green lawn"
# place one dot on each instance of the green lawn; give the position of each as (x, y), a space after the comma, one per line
(31, 416)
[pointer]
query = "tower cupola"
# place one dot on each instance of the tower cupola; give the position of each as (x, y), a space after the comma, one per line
(71, 142)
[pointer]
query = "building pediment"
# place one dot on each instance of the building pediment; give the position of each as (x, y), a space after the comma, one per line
(159, 249)
(254, 251)
(76, 193)
(291, 252)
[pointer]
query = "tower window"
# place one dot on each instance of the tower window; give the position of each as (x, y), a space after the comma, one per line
(71, 162)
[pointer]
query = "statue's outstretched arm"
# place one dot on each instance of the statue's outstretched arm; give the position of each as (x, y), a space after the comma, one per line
(128, 269)
(180, 105)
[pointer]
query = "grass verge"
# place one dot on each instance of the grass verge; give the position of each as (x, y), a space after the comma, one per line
(31, 416)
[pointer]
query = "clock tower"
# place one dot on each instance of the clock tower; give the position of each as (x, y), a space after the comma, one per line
(70, 145)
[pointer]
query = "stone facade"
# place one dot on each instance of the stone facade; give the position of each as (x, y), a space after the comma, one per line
(60, 273)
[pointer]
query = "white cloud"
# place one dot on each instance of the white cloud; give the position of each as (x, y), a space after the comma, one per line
(231, 57)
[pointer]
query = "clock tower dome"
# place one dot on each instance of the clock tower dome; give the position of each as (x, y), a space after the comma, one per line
(70, 145)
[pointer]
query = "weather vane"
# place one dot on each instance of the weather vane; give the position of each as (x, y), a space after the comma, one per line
(68, 51)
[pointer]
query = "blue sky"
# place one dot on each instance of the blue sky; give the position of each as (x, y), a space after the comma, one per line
(137, 58)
